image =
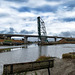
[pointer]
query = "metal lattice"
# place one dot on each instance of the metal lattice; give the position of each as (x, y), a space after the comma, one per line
(41, 30)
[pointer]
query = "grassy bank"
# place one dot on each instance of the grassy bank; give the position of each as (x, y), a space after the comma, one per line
(70, 55)
(5, 50)
(42, 58)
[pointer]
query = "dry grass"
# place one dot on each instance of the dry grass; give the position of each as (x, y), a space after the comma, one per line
(70, 55)
(42, 58)
(6, 49)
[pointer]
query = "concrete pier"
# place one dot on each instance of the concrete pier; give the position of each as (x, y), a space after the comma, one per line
(25, 39)
(55, 39)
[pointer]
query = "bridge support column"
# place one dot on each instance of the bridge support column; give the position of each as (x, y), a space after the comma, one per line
(55, 39)
(9, 37)
(5, 37)
(25, 39)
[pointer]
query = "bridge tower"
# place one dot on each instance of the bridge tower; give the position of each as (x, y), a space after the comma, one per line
(41, 30)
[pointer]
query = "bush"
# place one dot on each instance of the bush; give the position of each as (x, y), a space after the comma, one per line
(69, 55)
(73, 56)
(42, 58)
(66, 56)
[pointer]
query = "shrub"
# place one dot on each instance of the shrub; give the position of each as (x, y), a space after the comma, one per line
(70, 55)
(73, 56)
(42, 58)
(66, 55)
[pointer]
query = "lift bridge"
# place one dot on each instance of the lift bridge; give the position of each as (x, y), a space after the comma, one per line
(41, 30)
(42, 35)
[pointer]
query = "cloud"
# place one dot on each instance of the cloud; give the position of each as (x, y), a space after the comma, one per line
(22, 16)
(70, 4)
(3, 15)
(67, 34)
(68, 19)
(3, 31)
(26, 32)
(24, 9)
(45, 8)
(8, 31)
(13, 31)
(19, 1)
(53, 0)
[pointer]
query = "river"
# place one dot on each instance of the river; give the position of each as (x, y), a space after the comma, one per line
(27, 53)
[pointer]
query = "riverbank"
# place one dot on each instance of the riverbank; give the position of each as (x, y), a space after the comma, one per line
(61, 67)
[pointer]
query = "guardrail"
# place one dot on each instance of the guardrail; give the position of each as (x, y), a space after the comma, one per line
(11, 69)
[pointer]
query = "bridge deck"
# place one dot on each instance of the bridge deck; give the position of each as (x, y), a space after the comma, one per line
(20, 35)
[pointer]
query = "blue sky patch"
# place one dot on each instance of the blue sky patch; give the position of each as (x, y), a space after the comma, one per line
(24, 9)
(45, 8)
(69, 19)
(19, 1)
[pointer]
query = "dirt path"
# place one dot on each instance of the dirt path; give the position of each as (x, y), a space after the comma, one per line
(61, 67)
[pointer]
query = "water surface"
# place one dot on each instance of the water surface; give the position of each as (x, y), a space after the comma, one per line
(27, 53)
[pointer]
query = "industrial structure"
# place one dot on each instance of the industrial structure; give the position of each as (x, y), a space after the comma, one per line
(41, 30)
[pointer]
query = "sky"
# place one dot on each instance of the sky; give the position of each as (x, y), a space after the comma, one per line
(20, 16)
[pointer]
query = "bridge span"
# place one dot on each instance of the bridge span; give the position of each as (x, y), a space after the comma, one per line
(26, 36)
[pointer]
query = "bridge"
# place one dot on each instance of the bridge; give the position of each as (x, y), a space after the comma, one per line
(42, 35)
(26, 36)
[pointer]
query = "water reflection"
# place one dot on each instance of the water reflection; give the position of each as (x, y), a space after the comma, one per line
(25, 46)
(39, 50)
(42, 50)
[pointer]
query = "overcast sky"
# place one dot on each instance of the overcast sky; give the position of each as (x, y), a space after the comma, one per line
(20, 16)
